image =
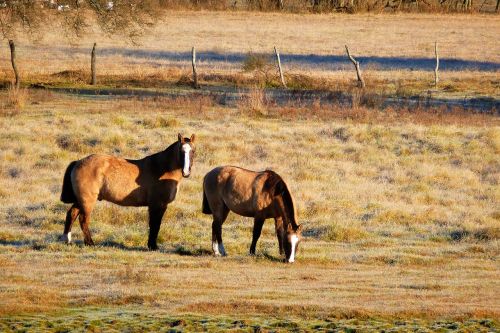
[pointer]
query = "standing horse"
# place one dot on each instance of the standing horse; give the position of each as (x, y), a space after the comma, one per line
(151, 181)
(260, 195)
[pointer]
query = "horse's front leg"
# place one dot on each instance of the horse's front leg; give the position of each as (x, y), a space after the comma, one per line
(155, 216)
(257, 229)
(280, 232)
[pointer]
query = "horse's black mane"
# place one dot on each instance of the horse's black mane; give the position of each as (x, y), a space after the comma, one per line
(162, 161)
(275, 185)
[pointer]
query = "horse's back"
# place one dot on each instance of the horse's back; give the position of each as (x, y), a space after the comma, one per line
(229, 176)
(236, 187)
(108, 178)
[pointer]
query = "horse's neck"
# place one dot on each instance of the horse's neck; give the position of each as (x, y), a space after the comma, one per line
(289, 209)
(166, 163)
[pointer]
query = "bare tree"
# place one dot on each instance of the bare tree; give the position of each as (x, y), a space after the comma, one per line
(13, 61)
(436, 69)
(15, 17)
(129, 18)
(195, 72)
(278, 60)
(361, 82)
(93, 79)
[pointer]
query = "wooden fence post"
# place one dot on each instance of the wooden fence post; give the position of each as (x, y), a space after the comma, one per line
(282, 77)
(13, 61)
(436, 75)
(92, 66)
(361, 82)
(195, 73)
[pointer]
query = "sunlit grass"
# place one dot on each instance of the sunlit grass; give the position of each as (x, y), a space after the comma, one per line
(399, 216)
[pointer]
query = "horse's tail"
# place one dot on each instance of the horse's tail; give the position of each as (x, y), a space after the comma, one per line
(205, 207)
(67, 194)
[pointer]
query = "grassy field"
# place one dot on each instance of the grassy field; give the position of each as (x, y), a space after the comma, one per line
(400, 211)
(396, 53)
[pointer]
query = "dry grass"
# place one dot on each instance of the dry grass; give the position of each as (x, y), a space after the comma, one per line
(400, 206)
(401, 219)
(163, 59)
(14, 102)
(255, 101)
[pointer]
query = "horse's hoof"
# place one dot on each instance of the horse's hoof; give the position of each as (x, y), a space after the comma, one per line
(152, 247)
(66, 238)
(88, 242)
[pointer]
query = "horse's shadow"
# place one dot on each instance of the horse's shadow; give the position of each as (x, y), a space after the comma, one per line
(16, 243)
(184, 251)
(265, 255)
(120, 246)
(178, 249)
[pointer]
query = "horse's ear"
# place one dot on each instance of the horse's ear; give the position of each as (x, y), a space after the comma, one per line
(289, 228)
(180, 138)
(193, 137)
(299, 228)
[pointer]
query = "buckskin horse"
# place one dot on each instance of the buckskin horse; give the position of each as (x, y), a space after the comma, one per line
(152, 181)
(260, 195)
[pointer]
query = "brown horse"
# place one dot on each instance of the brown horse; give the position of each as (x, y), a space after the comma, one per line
(260, 195)
(151, 181)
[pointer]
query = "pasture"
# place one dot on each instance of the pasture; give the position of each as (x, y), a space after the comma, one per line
(400, 206)
(396, 54)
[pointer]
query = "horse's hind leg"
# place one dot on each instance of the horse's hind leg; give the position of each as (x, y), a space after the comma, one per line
(84, 223)
(257, 229)
(220, 216)
(71, 216)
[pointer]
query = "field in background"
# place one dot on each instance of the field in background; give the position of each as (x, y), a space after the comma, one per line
(396, 53)
(400, 213)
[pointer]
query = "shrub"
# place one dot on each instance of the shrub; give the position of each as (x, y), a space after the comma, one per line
(15, 102)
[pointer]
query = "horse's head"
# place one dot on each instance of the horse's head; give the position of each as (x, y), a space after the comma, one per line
(186, 153)
(277, 188)
(293, 236)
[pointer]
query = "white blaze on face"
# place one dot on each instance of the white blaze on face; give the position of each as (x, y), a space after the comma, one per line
(293, 240)
(186, 148)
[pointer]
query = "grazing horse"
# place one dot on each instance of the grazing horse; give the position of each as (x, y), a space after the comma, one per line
(260, 195)
(151, 181)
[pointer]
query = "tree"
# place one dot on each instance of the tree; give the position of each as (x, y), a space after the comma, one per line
(128, 18)
(19, 16)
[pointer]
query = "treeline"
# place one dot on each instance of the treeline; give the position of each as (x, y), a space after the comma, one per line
(345, 6)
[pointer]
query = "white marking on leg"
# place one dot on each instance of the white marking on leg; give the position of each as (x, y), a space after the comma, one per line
(222, 249)
(186, 148)
(294, 240)
(67, 238)
(215, 248)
